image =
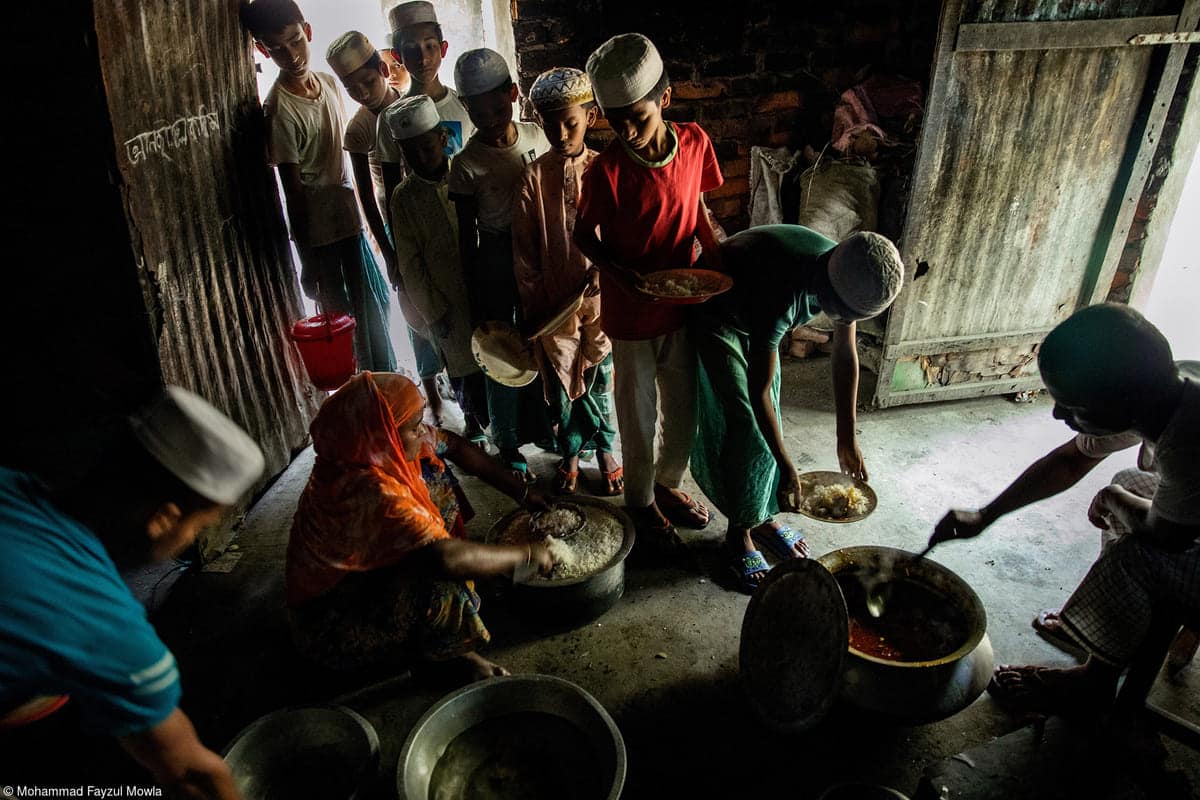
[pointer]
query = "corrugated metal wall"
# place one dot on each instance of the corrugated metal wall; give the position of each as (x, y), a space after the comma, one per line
(203, 212)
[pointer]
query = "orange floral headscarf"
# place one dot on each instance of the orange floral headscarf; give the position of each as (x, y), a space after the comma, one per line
(365, 505)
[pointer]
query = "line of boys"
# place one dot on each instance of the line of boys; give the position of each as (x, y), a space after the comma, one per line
(438, 258)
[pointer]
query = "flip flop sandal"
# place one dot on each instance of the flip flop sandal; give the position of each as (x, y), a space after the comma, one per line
(1056, 635)
(522, 470)
(611, 479)
(568, 481)
(745, 565)
(661, 539)
(686, 512)
(780, 542)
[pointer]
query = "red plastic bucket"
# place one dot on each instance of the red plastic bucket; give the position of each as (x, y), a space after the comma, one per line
(326, 344)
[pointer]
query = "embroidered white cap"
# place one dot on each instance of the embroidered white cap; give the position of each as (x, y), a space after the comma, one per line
(349, 52)
(561, 87)
(411, 116)
(866, 272)
(624, 69)
(478, 71)
(199, 445)
(411, 13)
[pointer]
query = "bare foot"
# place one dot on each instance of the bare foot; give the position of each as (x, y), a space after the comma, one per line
(1048, 689)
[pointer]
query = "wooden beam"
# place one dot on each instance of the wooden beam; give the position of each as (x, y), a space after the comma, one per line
(1181, 730)
(992, 36)
(923, 177)
(962, 344)
(959, 391)
(1164, 93)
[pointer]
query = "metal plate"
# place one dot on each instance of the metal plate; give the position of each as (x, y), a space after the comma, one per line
(537, 518)
(817, 478)
(503, 354)
(711, 283)
(556, 320)
(793, 648)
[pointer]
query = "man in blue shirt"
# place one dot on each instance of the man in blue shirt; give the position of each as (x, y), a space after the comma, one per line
(70, 630)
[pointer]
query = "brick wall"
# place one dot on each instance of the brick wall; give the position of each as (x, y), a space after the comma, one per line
(750, 72)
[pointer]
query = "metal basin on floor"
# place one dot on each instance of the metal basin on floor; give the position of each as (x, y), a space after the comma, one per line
(328, 752)
(523, 737)
(564, 603)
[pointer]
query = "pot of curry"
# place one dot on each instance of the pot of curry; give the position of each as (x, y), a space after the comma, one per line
(927, 655)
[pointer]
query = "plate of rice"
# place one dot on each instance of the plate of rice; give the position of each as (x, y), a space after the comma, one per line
(836, 497)
(685, 286)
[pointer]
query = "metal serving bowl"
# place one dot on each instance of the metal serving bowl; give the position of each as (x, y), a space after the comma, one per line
(328, 752)
(489, 700)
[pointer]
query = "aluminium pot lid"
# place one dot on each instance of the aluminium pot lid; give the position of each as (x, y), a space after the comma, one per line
(795, 635)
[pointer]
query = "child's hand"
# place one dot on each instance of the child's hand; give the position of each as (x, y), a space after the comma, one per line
(593, 283)
(630, 280)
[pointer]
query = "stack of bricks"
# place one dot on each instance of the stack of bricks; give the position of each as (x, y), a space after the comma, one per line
(751, 73)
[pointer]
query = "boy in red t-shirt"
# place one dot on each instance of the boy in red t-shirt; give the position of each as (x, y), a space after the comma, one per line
(644, 194)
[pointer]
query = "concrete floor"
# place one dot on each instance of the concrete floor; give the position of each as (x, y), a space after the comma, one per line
(685, 727)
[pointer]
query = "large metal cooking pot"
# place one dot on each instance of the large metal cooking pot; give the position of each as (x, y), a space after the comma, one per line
(795, 656)
(919, 691)
(329, 752)
(575, 601)
(488, 700)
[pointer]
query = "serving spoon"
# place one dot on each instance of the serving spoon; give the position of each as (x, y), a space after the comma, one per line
(880, 592)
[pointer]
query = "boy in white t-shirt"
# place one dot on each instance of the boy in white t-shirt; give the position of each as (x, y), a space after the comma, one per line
(484, 178)
(364, 73)
(305, 120)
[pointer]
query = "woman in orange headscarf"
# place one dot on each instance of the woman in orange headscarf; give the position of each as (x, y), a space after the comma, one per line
(378, 565)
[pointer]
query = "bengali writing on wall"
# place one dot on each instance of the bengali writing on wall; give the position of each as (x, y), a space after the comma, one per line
(173, 136)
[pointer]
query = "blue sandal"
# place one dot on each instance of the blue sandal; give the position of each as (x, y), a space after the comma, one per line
(744, 566)
(781, 543)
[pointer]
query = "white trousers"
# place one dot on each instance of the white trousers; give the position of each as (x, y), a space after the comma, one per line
(655, 395)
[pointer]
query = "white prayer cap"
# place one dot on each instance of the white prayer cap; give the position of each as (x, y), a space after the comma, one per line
(411, 116)
(561, 87)
(349, 52)
(866, 272)
(624, 69)
(412, 13)
(479, 71)
(199, 445)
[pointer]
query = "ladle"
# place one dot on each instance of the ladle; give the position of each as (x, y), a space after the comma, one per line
(880, 592)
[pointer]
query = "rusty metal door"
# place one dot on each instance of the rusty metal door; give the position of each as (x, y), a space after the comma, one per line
(204, 217)
(1041, 122)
